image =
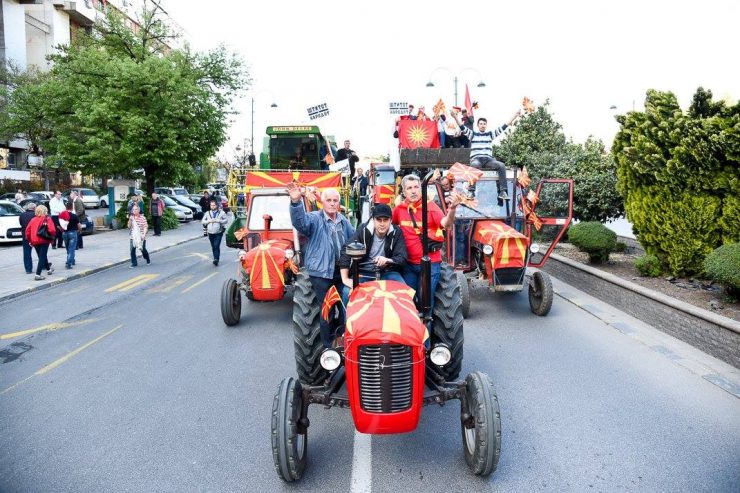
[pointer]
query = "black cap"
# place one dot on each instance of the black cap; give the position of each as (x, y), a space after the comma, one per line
(382, 210)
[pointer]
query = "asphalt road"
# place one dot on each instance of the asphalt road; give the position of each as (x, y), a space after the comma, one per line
(129, 381)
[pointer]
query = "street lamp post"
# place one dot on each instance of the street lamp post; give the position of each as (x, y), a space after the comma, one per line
(456, 77)
(251, 142)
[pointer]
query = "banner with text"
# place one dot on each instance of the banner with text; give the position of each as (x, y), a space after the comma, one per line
(318, 111)
(399, 108)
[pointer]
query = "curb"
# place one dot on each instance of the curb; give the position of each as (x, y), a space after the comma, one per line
(84, 273)
(724, 322)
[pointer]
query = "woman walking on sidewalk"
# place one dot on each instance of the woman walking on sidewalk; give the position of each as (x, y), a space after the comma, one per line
(41, 233)
(215, 223)
(138, 228)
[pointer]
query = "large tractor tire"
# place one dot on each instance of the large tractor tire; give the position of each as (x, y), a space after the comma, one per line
(464, 293)
(289, 446)
(306, 332)
(231, 303)
(482, 440)
(540, 293)
(447, 325)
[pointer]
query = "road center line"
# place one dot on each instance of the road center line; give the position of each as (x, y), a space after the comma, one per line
(132, 283)
(61, 360)
(199, 282)
(362, 464)
(167, 287)
(49, 327)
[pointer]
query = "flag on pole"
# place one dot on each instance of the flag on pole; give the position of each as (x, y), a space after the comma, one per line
(468, 102)
(331, 298)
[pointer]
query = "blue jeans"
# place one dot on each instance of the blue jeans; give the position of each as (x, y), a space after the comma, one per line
(442, 139)
(70, 239)
(216, 244)
(27, 259)
(328, 329)
(144, 253)
(385, 276)
(412, 274)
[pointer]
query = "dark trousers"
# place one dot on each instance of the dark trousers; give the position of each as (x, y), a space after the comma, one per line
(320, 287)
(157, 220)
(485, 162)
(144, 253)
(216, 244)
(79, 240)
(43, 262)
(27, 259)
(58, 241)
(412, 276)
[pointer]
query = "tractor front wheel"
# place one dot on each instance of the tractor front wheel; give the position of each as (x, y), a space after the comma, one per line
(481, 431)
(306, 332)
(289, 444)
(464, 293)
(540, 293)
(231, 302)
(447, 325)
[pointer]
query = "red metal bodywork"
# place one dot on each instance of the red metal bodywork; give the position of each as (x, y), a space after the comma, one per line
(383, 312)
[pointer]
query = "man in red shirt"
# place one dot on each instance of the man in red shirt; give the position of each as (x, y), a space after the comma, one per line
(407, 216)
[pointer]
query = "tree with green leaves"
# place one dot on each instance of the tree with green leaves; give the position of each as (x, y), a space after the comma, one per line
(679, 172)
(538, 143)
(123, 103)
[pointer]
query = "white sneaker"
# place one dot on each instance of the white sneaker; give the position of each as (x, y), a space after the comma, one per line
(50, 271)
(38, 278)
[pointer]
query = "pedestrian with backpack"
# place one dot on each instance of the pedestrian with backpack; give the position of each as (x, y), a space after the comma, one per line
(215, 223)
(41, 233)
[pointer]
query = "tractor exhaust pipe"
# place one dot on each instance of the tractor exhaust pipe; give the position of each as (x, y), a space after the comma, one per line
(425, 280)
(355, 251)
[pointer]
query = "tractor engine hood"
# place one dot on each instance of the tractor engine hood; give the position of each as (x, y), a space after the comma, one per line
(265, 266)
(384, 357)
(509, 246)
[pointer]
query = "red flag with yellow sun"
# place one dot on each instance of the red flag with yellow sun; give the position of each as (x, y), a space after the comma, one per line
(418, 133)
(331, 298)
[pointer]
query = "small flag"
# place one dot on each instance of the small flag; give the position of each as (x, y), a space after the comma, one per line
(466, 173)
(331, 298)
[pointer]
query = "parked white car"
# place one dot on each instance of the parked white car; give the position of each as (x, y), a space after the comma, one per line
(10, 225)
(89, 197)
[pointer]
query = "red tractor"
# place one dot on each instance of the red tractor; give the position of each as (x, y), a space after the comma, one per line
(495, 241)
(270, 256)
(393, 361)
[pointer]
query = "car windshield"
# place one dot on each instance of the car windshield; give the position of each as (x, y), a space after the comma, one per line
(278, 206)
(86, 192)
(486, 194)
(385, 177)
(9, 209)
(168, 201)
(181, 191)
(184, 200)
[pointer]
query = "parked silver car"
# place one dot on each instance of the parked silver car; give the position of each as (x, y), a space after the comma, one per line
(182, 213)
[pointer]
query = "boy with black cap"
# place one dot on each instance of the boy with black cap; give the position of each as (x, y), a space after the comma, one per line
(385, 250)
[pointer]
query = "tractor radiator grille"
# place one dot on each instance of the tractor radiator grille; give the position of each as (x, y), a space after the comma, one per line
(385, 378)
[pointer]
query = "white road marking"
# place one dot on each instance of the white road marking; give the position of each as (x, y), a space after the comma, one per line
(362, 464)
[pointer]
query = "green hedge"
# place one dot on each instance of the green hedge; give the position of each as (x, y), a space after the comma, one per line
(593, 238)
(648, 266)
(723, 265)
(169, 220)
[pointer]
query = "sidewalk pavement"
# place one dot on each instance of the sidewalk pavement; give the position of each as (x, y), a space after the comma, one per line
(102, 251)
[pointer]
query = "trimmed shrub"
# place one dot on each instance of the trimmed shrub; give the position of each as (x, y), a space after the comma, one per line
(169, 220)
(621, 247)
(648, 266)
(723, 265)
(593, 238)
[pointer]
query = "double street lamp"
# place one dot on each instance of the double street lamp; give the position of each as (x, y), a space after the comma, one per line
(456, 77)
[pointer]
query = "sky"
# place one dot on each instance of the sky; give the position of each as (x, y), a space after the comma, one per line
(358, 56)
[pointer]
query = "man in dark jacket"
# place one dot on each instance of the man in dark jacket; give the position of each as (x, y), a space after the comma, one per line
(385, 250)
(156, 209)
(79, 210)
(347, 153)
(24, 219)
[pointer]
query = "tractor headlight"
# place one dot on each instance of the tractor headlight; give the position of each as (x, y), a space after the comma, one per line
(289, 253)
(534, 247)
(330, 360)
(440, 355)
(241, 254)
(487, 249)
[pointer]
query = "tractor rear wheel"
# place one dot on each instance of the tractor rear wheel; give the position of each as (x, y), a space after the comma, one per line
(231, 303)
(447, 325)
(540, 293)
(306, 332)
(464, 292)
(482, 434)
(289, 446)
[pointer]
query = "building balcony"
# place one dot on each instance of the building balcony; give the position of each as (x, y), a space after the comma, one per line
(83, 12)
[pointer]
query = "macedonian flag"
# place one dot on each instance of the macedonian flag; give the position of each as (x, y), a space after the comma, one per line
(463, 172)
(331, 298)
(418, 133)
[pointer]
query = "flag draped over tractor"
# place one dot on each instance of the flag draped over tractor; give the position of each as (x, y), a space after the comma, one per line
(509, 245)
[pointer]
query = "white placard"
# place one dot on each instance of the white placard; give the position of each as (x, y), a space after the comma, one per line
(342, 166)
(318, 111)
(398, 108)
